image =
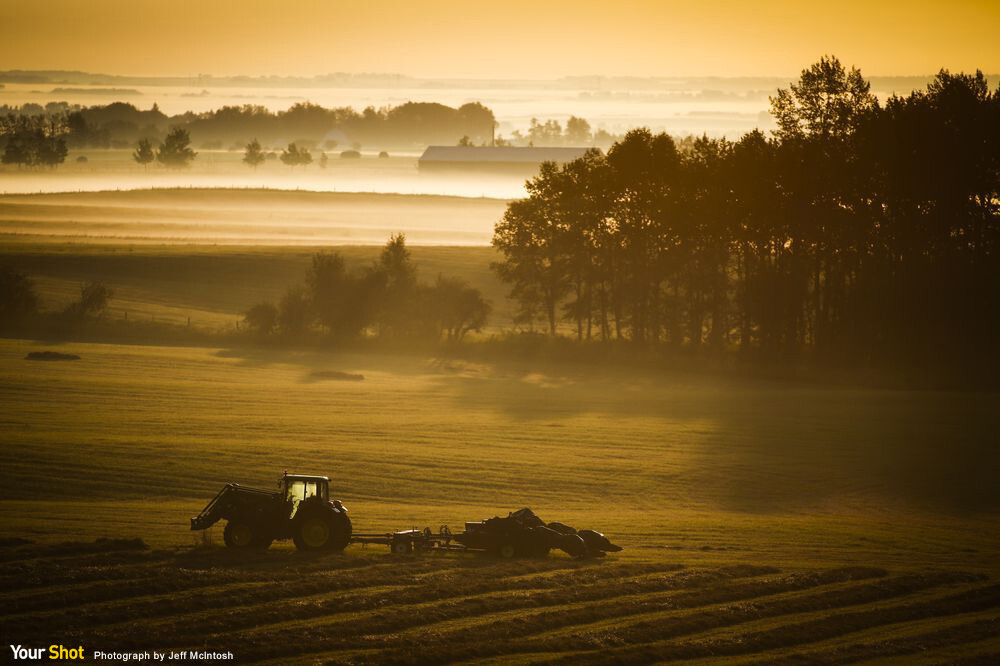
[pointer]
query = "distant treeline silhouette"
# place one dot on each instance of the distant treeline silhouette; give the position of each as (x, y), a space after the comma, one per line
(121, 125)
(412, 125)
(860, 231)
(384, 299)
(334, 303)
(33, 142)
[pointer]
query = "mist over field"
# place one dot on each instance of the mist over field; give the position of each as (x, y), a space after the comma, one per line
(442, 332)
(115, 170)
(678, 106)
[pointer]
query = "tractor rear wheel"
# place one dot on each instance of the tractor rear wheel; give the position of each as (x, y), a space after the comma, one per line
(321, 530)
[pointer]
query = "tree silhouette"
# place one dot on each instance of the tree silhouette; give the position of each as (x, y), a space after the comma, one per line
(262, 319)
(34, 142)
(856, 233)
(577, 131)
(175, 151)
(458, 308)
(294, 314)
(295, 156)
(144, 153)
(94, 297)
(253, 156)
(18, 297)
(344, 303)
(397, 277)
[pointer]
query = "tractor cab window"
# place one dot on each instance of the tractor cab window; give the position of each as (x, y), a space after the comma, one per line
(301, 490)
(296, 491)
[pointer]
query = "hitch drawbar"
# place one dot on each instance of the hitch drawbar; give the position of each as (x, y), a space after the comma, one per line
(408, 541)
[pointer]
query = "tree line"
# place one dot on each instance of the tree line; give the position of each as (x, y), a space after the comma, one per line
(19, 300)
(121, 125)
(577, 133)
(334, 303)
(384, 299)
(33, 142)
(308, 126)
(860, 230)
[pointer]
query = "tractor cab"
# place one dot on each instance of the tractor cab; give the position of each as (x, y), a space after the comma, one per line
(296, 488)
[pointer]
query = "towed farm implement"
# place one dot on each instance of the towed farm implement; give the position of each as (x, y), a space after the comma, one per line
(301, 510)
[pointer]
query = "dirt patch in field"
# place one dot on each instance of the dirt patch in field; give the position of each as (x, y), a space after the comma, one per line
(50, 356)
(333, 375)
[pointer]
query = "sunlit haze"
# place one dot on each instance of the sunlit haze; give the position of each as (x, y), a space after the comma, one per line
(464, 332)
(515, 39)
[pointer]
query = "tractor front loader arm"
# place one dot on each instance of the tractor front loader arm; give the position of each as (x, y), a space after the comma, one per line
(213, 510)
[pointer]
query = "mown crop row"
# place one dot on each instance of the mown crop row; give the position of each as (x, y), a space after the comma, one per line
(374, 607)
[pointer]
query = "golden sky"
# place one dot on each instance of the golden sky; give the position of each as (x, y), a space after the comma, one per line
(501, 39)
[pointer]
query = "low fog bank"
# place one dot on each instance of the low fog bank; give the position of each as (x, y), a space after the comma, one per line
(115, 170)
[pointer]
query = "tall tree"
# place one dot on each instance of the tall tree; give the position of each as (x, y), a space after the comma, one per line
(530, 238)
(253, 156)
(398, 304)
(144, 153)
(577, 131)
(175, 151)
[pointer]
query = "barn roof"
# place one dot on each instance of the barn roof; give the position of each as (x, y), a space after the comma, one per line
(500, 154)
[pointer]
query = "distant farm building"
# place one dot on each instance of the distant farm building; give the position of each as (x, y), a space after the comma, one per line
(493, 158)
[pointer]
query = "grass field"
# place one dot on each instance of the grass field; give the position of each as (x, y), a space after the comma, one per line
(761, 521)
(197, 256)
(245, 217)
(212, 286)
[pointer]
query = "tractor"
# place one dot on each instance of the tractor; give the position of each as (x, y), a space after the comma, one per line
(300, 510)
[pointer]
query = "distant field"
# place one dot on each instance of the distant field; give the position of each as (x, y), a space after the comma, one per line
(116, 170)
(761, 521)
(214, 285)
(205, 256)
(245, 217)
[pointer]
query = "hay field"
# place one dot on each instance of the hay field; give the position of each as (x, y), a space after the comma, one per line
(203, 256)
(761, 521)
(246, 217)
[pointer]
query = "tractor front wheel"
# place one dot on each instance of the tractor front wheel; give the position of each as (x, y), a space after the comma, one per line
(239, 534)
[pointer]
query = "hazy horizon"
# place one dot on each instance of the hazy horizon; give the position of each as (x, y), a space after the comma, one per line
(637, 38)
